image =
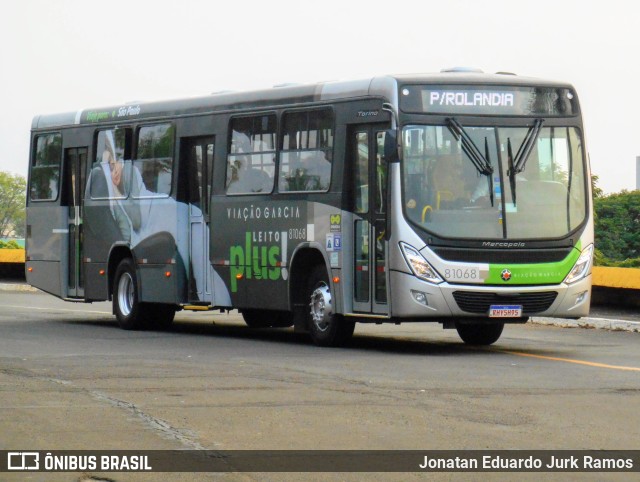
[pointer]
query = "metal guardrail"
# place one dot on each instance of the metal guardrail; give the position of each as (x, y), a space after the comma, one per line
(624, 278)
(8, 255)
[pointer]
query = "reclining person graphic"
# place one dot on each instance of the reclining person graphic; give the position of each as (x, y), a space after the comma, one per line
(117, 181)
(122, 210)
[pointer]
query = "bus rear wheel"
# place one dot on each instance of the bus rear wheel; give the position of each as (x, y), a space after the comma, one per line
(128, 310)
(326, 327)
(479, 333)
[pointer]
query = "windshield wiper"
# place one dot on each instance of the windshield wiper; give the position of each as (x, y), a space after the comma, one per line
(490, 175)
(511, 171)
(480, 162)
(518, 164)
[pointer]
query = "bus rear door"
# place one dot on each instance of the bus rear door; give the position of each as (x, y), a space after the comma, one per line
(75, 169)
(197, 155)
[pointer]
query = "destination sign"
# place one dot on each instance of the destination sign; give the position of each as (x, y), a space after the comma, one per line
(489, 100)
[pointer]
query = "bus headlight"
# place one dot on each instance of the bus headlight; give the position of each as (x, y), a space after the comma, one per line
(581, 268)
(418, 265)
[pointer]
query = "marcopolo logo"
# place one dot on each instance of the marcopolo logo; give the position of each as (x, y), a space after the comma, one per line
(263, 256)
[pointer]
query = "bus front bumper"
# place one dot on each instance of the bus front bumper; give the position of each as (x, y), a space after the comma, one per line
(413, 298)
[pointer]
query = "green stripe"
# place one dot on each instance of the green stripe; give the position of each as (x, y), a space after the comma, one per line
(535, 273)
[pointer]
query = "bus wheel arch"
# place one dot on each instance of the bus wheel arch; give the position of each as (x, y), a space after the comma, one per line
(303, 262)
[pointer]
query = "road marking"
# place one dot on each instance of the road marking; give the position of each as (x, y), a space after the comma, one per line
(570, 360)
(29, 308)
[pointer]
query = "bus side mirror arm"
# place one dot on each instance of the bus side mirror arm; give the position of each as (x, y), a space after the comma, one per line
(392, 154)
(392, 149)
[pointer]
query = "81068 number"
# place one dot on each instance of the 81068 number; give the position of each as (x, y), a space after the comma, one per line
(462, 274)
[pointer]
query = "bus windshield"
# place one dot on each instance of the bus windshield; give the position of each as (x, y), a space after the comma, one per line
(496, 193)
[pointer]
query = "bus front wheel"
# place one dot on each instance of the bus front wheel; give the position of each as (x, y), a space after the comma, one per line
(327, 328)
(479, 333)
(127, 308)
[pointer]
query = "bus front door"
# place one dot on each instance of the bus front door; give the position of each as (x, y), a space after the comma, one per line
(198, 154)
(75, 169)
(370, 274)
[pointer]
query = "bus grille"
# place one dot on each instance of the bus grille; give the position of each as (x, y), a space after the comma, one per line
(467, 255)
(479, 302)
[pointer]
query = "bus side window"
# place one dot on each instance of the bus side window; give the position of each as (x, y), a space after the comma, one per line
(153, 166)
(113, 146)
(306, 151)
(45, 168)
(252, 155)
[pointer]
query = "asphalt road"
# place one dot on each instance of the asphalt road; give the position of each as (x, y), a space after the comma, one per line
(71, 379)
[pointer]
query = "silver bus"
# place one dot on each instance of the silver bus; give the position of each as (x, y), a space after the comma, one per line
(457, 197)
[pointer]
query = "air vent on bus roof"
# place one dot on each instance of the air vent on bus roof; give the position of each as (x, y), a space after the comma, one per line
(505, 73)
(468, 70)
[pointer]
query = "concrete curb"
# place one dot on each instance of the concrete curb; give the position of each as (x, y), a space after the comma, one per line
(597, 323)
(18, 287)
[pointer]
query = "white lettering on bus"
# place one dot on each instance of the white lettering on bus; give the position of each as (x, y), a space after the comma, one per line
(253, 212)
(491, 244)
(477, 99)
(129, 110)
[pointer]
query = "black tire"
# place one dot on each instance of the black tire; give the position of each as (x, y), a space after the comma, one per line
(159, 316)
(479, 333)
(128, 310)
(267, 318)
(256, 318)
(282, 319)
(326, 327)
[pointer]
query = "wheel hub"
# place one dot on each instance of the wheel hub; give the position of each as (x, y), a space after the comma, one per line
(321, 307)
(125, 294)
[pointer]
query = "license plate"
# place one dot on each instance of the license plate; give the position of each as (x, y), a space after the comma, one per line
(505, 311)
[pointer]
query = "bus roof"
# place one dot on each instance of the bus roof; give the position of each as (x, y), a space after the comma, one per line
(384, 87)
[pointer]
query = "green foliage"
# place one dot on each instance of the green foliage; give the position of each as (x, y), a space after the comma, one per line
(598, 192)
(9, 245)
(13, 192)
(627, 263)
(617, 229)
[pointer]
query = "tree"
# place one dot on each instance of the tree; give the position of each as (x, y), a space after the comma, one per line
(598, 192)
(13, 192)
(617, 226)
